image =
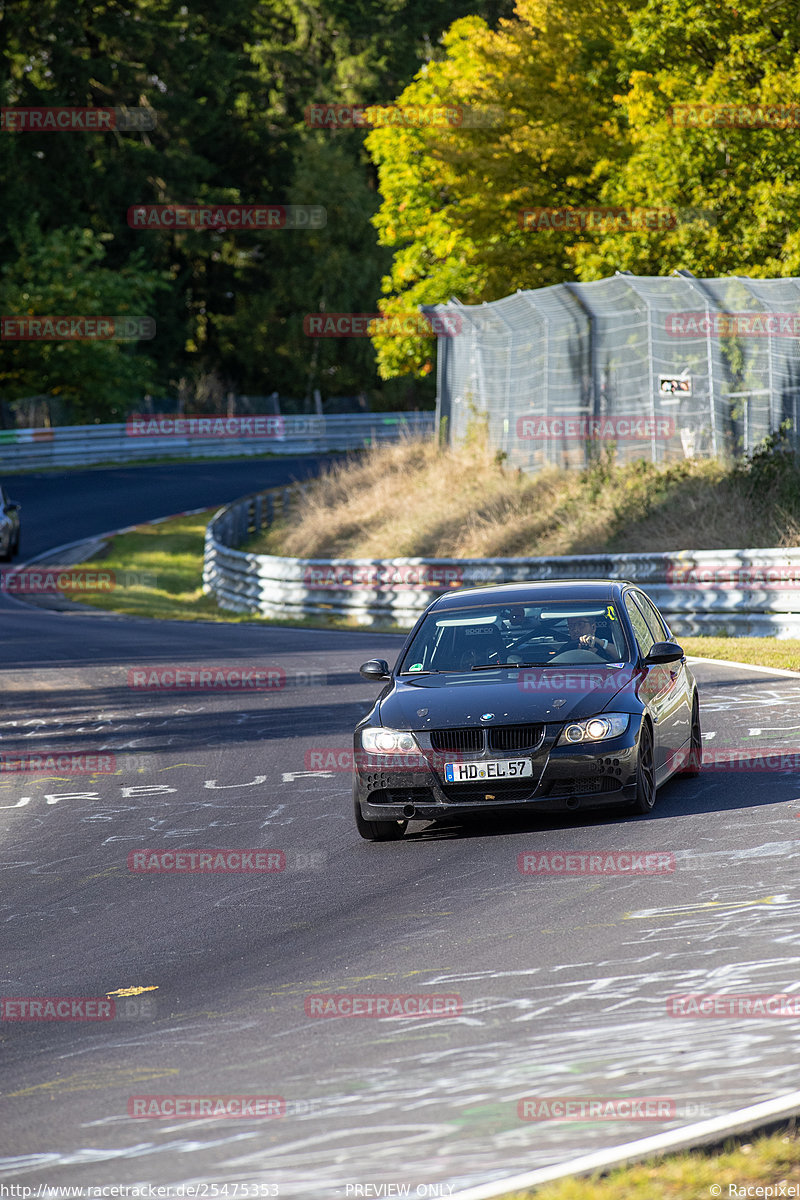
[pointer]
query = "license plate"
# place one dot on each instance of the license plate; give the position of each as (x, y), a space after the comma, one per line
(501, 768)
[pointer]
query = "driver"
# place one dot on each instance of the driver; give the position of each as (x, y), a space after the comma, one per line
(583, 636)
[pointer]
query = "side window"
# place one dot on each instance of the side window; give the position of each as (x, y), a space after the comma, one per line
(651, 615)
(644, 637)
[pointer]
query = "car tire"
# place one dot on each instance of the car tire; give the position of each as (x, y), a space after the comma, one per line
(378, 831)
(694, 762)
(645, 773)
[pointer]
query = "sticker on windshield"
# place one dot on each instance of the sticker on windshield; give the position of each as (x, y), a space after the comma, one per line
(610, 613)
(416, 667)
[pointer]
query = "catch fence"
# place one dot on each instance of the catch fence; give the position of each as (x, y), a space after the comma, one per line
(662, 368)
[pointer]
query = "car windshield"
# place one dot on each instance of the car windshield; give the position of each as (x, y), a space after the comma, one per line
(485, 636)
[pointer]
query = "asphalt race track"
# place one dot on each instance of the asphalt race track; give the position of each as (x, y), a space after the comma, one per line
(557, 985)
(63, 506)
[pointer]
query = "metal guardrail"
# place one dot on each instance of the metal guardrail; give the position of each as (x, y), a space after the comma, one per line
(77, 445)
(736, 593)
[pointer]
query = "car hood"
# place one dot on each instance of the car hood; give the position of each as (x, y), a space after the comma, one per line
(526, 696)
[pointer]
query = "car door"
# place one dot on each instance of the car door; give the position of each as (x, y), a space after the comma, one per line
(655, 689)
(677, 719)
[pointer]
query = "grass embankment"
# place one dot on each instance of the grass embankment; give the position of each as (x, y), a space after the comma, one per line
(765, 1161)
(412, 498)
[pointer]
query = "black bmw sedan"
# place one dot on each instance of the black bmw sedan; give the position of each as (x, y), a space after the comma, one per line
(555, 695)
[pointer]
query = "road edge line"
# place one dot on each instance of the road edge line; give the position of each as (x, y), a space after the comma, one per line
(730, 662)
(688, 1137)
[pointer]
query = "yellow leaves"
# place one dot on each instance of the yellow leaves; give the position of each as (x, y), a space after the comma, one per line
(535, 123)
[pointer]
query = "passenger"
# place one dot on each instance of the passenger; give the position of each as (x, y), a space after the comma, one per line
(515, 618)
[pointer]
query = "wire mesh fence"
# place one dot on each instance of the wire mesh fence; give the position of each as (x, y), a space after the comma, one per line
(662, 368)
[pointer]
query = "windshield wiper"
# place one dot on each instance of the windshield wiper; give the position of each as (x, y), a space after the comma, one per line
(404, 673)
(503, 666)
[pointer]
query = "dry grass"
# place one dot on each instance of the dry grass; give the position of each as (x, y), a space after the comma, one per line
(412, 498)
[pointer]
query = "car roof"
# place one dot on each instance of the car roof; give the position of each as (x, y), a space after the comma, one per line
(536, 592)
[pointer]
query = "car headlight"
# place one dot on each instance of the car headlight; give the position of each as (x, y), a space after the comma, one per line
(388, 741)
(594, 729)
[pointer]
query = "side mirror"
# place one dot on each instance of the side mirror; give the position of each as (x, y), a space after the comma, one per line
(663, 652)
(376, 669)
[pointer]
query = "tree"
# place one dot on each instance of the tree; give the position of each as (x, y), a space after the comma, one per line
(228, 86)
(748, 179)
(452, 196)
(61, 274)
(587, 93)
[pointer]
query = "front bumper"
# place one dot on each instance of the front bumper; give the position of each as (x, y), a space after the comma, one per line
(563, 779)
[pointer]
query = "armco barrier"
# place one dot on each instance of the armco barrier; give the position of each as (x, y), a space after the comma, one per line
(738, 593)
(76, 445)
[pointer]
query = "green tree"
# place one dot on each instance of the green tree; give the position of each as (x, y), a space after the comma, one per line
(228, 86)
(748, 179)
(61, 274)
(452, 195)
(587, 92)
